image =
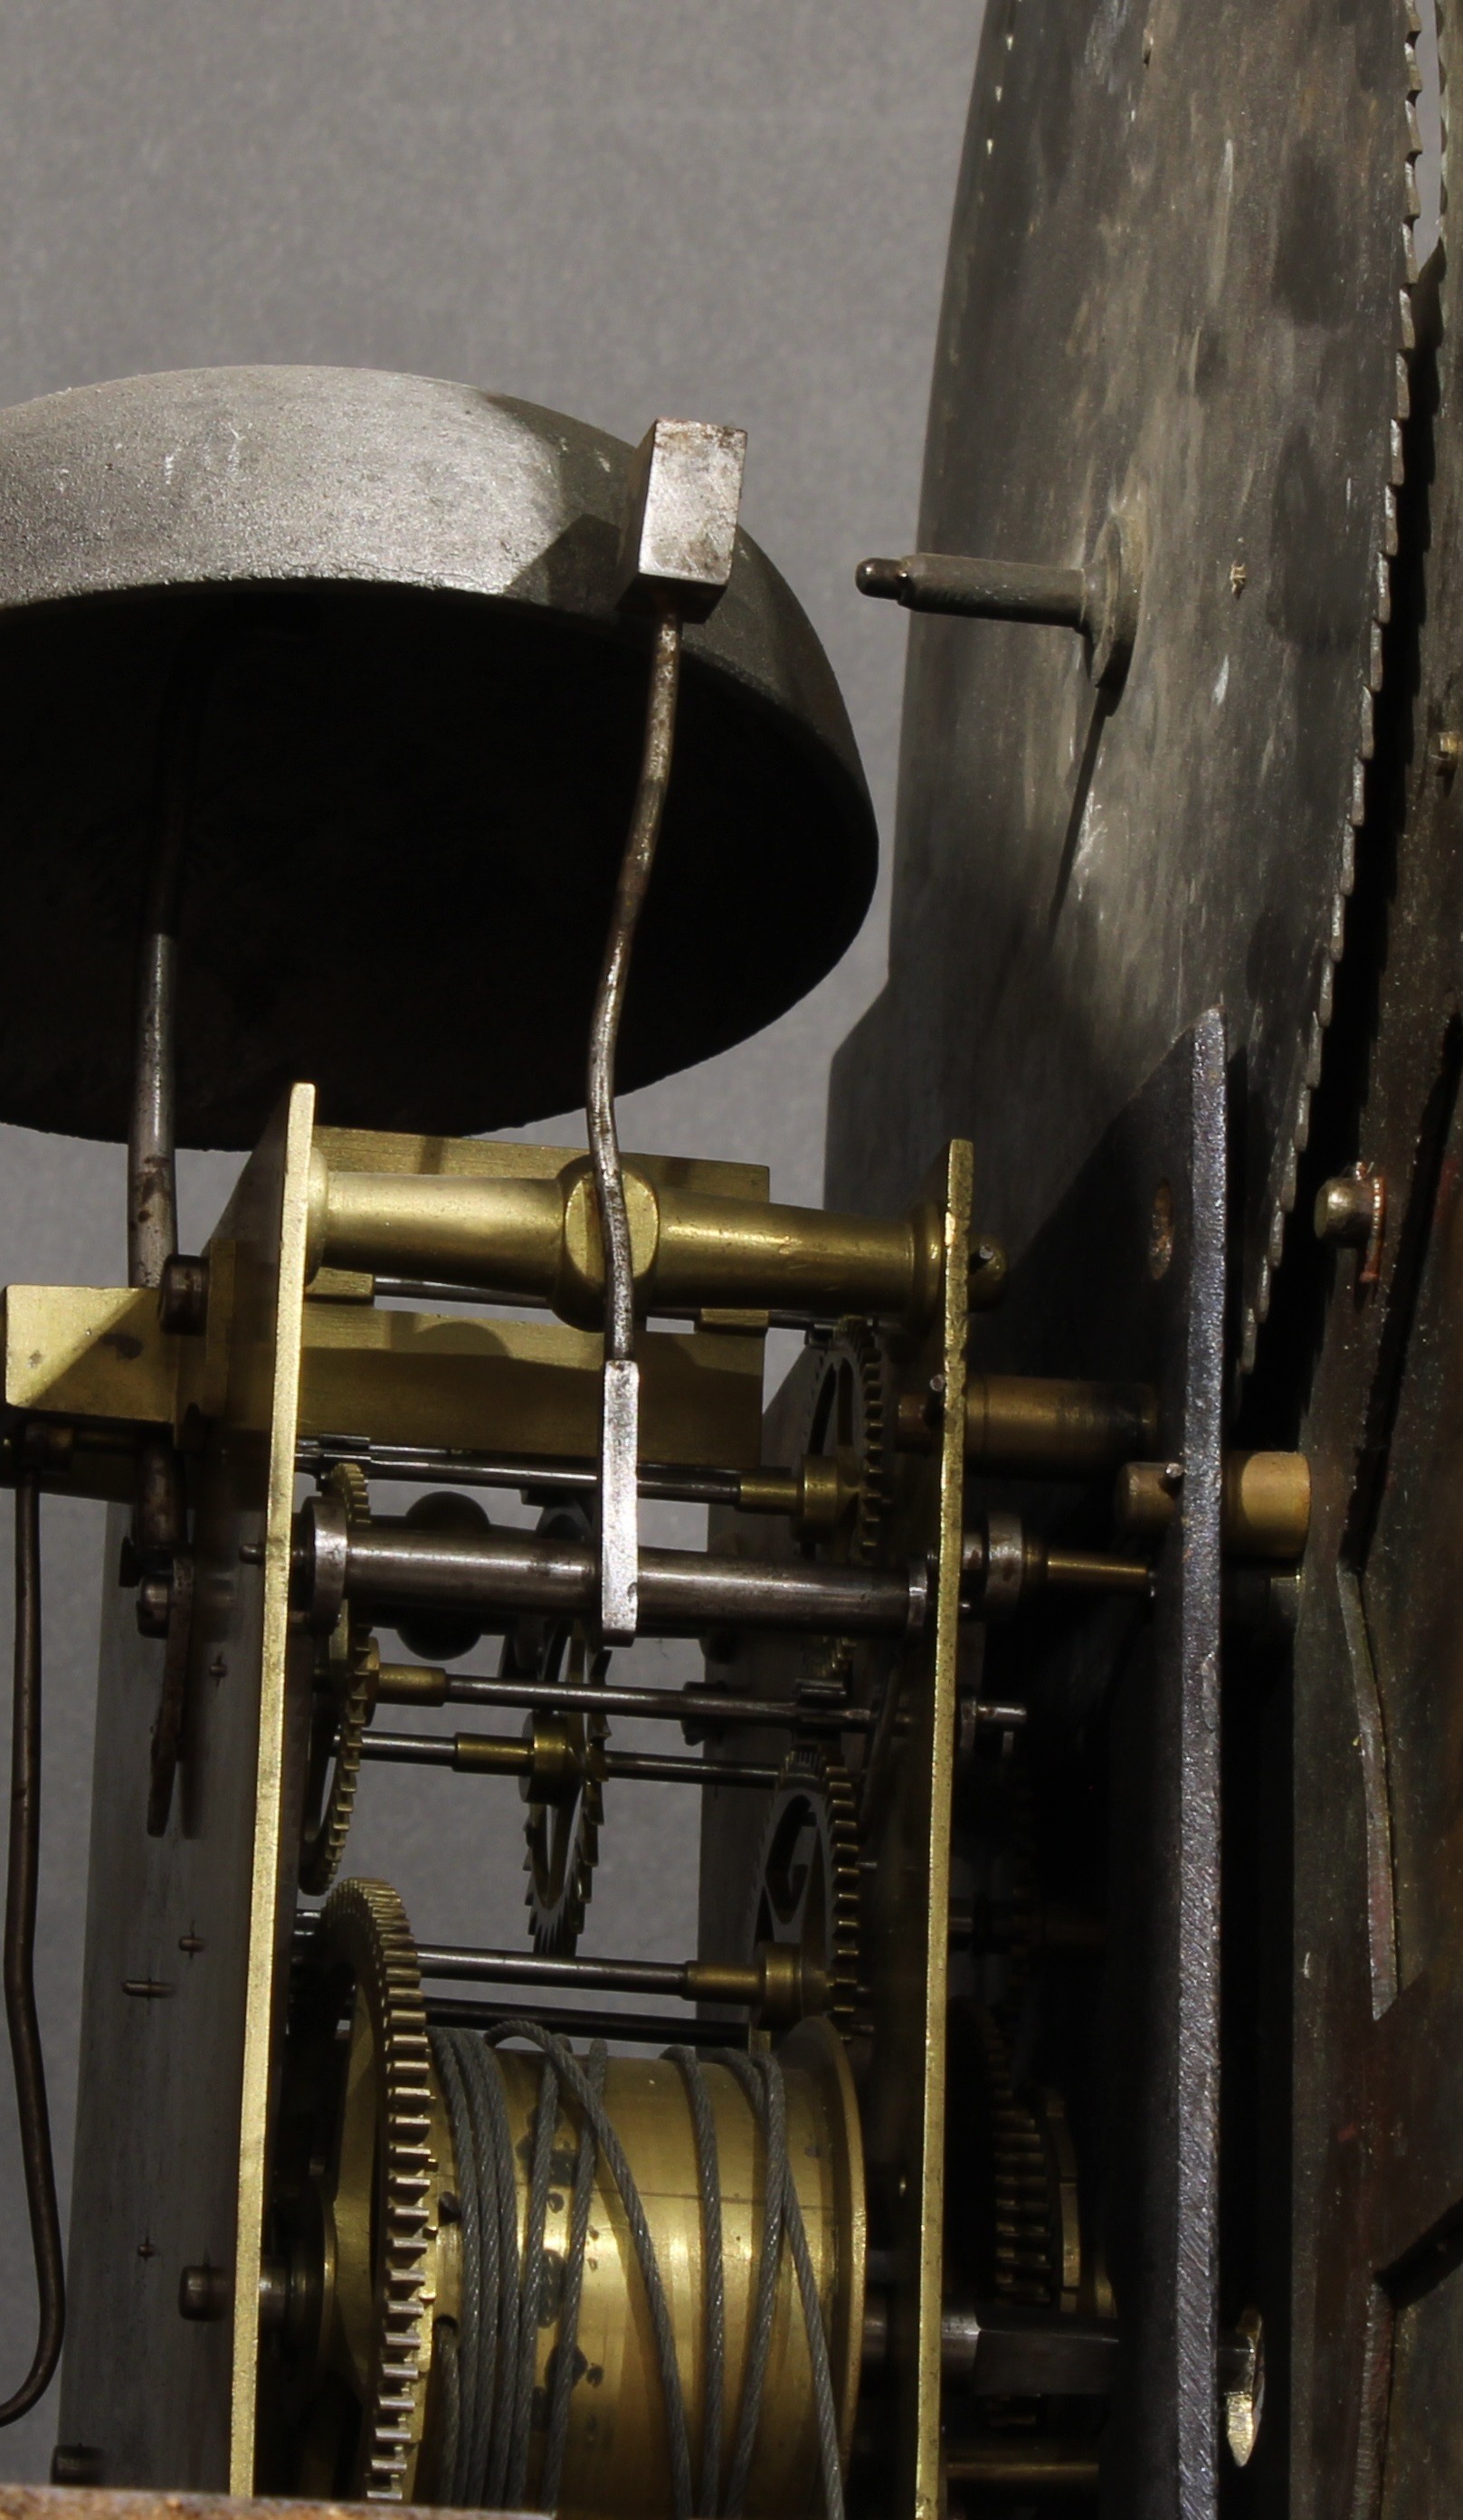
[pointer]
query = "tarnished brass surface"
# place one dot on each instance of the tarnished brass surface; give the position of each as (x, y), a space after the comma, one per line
(1017, 2470)
(270, 1910)
(622, 2467)
(1029, 1422)
(912, 1896)
(443, 1379)
(89, 1352)
(1265, 1510)
(616, 2457)
(97, 1355)
(369, 2258)
(537, 1240)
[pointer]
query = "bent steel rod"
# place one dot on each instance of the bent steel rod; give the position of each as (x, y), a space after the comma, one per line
(20, 1959)
(391, 1567)
(619, 1441)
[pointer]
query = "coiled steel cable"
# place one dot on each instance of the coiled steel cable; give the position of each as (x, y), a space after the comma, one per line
(763, 2090)
(567, 2348)
(546, 2115)
(572, 2075)
(766, 2071)
(490, 2405)
(709, 2180)
(492, 2440)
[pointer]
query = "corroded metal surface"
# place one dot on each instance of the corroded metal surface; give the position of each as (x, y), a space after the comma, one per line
(1369, 1367)
(182, 1950)
(1124, 1726)
(1173, 295)
(416, 756)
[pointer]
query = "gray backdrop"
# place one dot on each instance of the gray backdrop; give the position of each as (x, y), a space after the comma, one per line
(617, 207)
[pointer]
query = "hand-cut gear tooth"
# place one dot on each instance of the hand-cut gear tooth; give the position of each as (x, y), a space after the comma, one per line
(849, 1394)
(1389, 543)
(363, 1924)
(1299, 1132)
(1414, 205)
(811, 1777)
(1414, 130)
(1374, 658)
(1026, 2259)
(847, 1410)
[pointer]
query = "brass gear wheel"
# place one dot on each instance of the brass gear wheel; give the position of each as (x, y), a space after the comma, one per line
(847, 1423)
(565, 1793)
(365, 2164)
(1035, 2241)
(346, 1684)
(808, 1876)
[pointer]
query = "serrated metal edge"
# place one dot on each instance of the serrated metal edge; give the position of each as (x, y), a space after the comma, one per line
(810, 1772)
(1285, 1157)
(370, 1920)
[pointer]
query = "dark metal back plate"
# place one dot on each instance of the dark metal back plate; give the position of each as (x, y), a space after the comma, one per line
(1122, 1750)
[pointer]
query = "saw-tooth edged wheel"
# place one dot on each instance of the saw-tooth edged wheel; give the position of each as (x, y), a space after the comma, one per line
(808, 1877)
(345, 1682)
(565, 1794)
(848, 1424)
(1219, 253)
(363, 2163)
(1018, 2196)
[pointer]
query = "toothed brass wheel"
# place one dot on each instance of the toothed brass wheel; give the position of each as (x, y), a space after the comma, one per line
(363, 2269)
(847, 1427)
(345, 1682)
(808, 1878)
(1025, 2242)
